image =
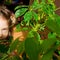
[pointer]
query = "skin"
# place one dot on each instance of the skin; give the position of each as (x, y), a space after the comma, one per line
(21, 35)
(4, 28)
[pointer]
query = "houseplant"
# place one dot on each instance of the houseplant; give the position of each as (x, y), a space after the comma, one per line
(36, 17)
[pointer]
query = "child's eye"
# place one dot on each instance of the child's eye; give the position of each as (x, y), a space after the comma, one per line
(5, 29)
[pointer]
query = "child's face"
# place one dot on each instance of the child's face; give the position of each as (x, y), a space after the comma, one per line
(4, 28)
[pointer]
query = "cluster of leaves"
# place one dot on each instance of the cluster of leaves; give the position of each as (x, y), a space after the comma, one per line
(36, 17)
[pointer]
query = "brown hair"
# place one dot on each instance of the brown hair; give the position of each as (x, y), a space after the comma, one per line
(6, 13)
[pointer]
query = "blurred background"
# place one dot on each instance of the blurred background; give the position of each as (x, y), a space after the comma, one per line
(11, 4)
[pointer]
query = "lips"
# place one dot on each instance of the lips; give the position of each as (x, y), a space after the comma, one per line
(1, 38)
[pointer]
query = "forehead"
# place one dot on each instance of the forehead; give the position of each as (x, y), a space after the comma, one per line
(3, 22)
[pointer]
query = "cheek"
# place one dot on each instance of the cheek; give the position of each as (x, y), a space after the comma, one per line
(5, 33)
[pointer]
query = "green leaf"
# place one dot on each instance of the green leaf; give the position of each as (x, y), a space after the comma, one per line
(50, 1)
(57, 19)
(20, 12)
(41, 41)
(35, 4)
(4, 56)
(36, 36)
(28, 16)
(17, 7)
(31, 48)
(14, 45)
(58, 42)
(30, 35)
(24, 28)
(44, 1)
(48, 55)
(47, 44)
(53, 25)
(59, 52)
(15, 58)
(21, 47)
(51, 35)
(46, 8)
(35, 16)
(20, 6)
(18, 29)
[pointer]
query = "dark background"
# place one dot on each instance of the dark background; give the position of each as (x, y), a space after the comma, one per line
(14, 3)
